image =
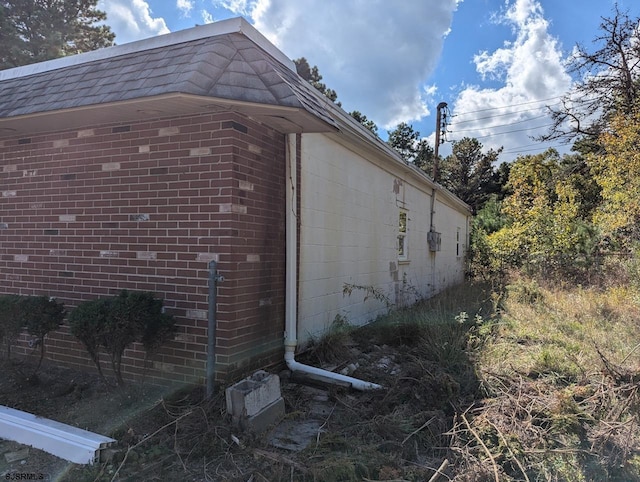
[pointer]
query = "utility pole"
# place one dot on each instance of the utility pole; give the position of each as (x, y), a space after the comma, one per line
(439, 124)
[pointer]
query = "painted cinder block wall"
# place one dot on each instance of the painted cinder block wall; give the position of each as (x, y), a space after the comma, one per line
(350, 205)
(145, 206)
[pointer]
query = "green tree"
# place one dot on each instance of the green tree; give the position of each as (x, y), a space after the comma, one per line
(37, 30)
(312, 75)
(616, 169)
(469, 173)
(404, 139)
(544, 230)
(407, 142)
(489, 219)
(424, 157)
(369, 124)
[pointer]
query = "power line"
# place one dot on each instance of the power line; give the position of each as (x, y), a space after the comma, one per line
(500, 125)
(513, 131)
(510, 105)
(515, 150)
(504, 114)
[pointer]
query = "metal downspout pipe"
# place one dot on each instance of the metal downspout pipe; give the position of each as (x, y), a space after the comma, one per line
(291, 314)
(214, 279)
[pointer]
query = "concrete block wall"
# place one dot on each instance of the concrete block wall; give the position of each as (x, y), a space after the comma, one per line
(350, 205)
(145, 206)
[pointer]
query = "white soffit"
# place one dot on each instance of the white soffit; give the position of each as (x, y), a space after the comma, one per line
(64, 441)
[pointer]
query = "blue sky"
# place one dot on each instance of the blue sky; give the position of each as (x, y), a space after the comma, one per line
(496, 63)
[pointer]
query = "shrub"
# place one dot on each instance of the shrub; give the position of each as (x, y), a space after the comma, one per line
(10, 319)
(86, 322)
(115, 323)
(40, 315)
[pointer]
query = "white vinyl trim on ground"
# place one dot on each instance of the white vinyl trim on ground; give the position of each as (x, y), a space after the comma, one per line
(64, 441)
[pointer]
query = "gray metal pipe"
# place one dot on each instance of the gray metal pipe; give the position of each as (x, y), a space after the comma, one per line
(214, 279)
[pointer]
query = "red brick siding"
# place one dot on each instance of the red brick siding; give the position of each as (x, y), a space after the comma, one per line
(145, 206)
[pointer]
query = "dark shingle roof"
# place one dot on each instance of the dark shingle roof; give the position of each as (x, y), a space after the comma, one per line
(229, 66)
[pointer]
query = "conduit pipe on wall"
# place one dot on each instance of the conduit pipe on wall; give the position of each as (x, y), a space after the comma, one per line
(214, 279)
(291, 296)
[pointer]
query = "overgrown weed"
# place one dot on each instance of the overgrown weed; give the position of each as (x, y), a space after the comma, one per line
(558, 378)
(539, 382)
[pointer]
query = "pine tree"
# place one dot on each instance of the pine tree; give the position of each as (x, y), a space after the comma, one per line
(38, 30)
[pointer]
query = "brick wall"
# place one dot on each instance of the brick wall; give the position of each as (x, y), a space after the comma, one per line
(146, 206)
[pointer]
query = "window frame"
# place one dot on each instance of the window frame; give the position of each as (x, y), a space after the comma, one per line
(401, 243)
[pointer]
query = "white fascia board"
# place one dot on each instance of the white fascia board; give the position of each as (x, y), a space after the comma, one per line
(223, 27)
(64, 441)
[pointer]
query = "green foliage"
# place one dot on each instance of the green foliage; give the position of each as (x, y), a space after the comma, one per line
(468, 172)
(42, 314)
(616, 169)
(11, 320)
(407, 142)
(545, 230)
(369, 292)
(115, 323)
(488, 220)
(312, 75)
(86, 322)
(525, 291)
(369, 124)
(38, 30)
(38, 314)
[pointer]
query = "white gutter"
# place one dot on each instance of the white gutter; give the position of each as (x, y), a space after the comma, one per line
(64, 441)
(291, 308)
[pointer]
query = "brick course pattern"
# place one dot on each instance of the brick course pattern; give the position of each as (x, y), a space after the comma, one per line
(146, 206)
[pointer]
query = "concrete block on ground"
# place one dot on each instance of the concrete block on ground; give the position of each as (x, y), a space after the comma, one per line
(256, 402)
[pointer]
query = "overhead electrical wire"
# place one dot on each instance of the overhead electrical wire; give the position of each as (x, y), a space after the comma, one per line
(512, 150)
(499, 125)
(513, 131)
(516, 150)
(508, 106)
(501, 115)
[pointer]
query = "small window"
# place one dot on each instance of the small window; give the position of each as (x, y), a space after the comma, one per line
(402, 235)
(458, 242)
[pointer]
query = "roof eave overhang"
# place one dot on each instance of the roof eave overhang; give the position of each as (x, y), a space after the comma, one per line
(281, 118)
(352, 135)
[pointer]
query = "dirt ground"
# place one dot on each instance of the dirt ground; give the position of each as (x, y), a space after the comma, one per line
(73, 397)
(329, 433)
(448, 410)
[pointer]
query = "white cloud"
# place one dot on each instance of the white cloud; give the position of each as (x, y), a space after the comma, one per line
(375, 55)
(132, 20)
(238, 7)
(532, 73)
(185, 6)
(206, 17)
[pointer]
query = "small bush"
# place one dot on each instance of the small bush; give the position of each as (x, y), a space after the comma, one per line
(115, 323)
(524, 291)
(86, 322)
(38, 314)
(10, 319)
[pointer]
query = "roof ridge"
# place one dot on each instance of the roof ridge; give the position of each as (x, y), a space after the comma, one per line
(215, 29)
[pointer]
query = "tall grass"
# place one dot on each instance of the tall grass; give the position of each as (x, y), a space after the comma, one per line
(560, 377)
(564, 330)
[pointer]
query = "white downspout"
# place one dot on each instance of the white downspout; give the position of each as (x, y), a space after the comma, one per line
(291, 308)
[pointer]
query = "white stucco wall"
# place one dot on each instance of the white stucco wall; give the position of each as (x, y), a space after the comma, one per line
(349, 214)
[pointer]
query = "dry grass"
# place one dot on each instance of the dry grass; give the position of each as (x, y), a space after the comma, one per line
(560, 376)
(533, 383)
